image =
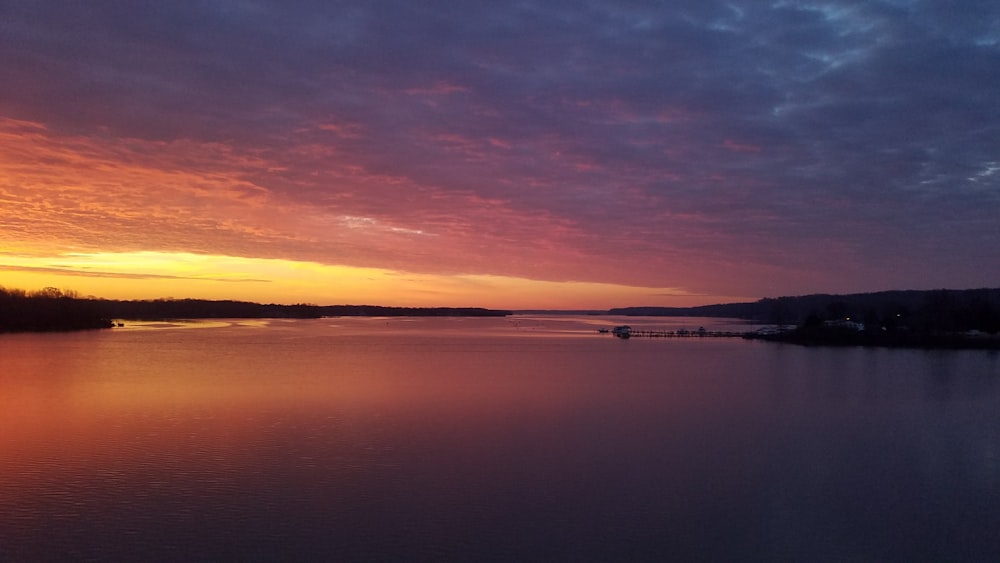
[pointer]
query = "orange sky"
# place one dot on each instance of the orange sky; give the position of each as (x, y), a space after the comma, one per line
(510, 156)
(123, 218)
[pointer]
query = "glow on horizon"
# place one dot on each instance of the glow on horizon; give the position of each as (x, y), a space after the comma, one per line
(153, 275)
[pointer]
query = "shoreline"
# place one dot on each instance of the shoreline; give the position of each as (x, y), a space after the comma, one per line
(869, 339)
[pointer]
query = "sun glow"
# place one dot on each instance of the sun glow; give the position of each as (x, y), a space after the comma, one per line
(152, 275)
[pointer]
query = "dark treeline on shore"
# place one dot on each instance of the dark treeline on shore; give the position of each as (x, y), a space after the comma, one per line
(932, 318)
(923, 310)
(48, 310)
(205, 309)
(52, 309)
(917, 319)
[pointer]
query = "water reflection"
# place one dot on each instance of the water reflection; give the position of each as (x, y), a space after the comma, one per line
(435, 439)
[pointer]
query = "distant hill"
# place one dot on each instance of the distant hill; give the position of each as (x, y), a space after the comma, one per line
(938, 309)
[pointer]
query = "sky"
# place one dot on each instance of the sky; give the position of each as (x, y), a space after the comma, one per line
(532, 154)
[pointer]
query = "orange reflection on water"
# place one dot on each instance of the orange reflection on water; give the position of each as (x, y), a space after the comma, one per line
(327, 396)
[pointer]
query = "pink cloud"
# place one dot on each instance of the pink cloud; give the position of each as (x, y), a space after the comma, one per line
(740, 147)
(442, 88)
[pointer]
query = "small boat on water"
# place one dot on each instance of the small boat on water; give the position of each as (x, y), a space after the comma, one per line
(623, 331)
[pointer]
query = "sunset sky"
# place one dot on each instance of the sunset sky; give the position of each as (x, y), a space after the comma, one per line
(537, 154)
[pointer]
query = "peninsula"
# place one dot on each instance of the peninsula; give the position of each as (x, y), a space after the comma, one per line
(51, 309)
(939, 318)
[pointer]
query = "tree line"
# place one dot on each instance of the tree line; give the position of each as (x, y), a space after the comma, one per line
(938, 310)
(49, 309)
(52, 309)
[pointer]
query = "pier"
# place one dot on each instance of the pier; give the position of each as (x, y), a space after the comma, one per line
(629, 332)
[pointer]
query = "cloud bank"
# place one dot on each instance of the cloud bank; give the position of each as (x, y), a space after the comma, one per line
(726, 148)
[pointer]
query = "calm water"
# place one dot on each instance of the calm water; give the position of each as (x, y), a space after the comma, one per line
(490, 439)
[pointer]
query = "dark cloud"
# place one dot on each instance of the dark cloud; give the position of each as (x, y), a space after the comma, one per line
(706, 144)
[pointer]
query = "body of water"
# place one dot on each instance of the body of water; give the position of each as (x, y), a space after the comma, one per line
(511, 439)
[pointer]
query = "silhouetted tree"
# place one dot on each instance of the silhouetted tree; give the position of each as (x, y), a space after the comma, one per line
(837, 310)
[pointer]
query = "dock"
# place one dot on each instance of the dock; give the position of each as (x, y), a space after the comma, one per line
(629, 332)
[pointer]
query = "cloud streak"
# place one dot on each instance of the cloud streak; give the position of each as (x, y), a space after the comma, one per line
(119, 275)
(723, 148)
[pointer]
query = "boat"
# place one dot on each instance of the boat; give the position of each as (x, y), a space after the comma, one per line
(623, 331)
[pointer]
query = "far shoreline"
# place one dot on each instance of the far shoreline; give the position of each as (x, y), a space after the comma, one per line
(923, 319)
